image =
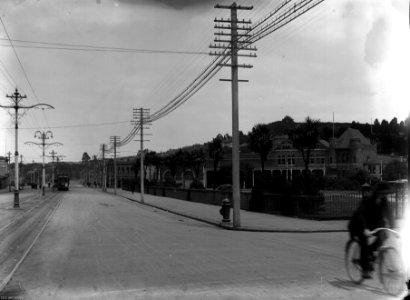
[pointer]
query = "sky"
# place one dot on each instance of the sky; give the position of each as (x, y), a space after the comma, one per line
(349, 58)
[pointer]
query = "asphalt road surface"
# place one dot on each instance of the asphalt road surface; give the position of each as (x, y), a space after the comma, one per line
(98, 246)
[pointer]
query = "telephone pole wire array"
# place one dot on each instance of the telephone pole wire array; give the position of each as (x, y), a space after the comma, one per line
(45, 135)
(16, 98)
(142, 119)
(115, 140)
(238, 34)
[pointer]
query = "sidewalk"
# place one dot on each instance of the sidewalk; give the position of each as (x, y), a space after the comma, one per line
(250, 221)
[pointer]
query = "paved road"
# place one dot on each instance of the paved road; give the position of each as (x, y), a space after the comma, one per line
(99, 246)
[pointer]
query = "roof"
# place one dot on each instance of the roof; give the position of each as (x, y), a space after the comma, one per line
(343, 141)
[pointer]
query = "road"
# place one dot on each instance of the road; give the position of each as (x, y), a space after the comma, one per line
(99, 246)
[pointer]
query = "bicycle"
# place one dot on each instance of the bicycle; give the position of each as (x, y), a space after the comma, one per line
(390, 266)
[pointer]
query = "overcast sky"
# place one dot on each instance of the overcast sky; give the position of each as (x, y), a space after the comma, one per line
(350, 57)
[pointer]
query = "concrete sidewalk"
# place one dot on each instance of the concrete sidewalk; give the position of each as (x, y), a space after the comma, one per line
(250, 221)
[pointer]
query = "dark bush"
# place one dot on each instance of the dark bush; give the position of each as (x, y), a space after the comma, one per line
(196, 184)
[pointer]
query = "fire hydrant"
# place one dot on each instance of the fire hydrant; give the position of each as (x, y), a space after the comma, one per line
(225, 210)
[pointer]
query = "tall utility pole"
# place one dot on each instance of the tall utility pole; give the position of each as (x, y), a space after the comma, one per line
(230, 48)
(9, 169)
(16, 99)
(142, 120)
(104, 173)
(21, 165)
(114, 142)
(44, 136)
(54, 158)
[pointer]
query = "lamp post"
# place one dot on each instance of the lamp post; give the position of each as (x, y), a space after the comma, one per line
(43, 136)
(16, 98)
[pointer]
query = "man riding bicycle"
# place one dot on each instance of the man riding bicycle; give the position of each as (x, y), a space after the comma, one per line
(372, 213)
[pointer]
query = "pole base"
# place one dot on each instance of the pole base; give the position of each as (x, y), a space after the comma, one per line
(16, 199)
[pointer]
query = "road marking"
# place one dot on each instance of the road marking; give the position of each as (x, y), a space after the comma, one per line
(8, 277)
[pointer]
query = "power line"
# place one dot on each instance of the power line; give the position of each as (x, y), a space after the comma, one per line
(77, 125)
(78, 47)
(21, 66)
(210, 71)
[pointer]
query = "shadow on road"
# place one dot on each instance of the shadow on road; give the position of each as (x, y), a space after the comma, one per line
(350, 286)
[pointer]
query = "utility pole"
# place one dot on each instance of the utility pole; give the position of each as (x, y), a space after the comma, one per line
(114, 142)
(237, 41)
(54, 158)
(9, 169)
(16, 99)
(43, 136)
(104, 173)
(142, 119)
(21, 165)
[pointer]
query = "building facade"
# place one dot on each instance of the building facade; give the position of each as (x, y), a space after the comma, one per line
(350, 152)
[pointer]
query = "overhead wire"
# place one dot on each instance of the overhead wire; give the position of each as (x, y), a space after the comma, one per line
(90, 48)
(22, 67)
(209, 72)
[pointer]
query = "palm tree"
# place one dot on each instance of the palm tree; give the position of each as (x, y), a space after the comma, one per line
(215, 151)
(260, 142)
(305, 138)
(195, 159)
(85, 159)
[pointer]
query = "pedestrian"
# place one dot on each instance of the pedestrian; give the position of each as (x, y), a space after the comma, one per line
(374, 212)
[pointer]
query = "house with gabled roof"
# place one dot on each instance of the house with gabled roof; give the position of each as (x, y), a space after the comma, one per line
(352, 151)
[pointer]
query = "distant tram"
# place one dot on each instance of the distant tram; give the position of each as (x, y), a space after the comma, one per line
(62, 183)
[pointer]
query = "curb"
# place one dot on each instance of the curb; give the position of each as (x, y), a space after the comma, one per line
(230, 227)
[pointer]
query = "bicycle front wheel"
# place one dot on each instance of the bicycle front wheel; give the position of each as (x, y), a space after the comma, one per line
(352, 261)
(391, 271)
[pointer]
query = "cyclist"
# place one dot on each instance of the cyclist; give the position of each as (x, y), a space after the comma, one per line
(373, 212)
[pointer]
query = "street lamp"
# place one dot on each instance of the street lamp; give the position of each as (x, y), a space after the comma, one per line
(43, 136)
(16, 99)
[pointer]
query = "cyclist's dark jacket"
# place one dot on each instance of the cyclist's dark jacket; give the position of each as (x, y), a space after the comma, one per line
(370, 216)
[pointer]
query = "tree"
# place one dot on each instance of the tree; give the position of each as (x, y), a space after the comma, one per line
(85, 159)
(149, 160)
(305, 138)
(260, 142)
(395, 170)
(181, 158)
(288, 124)
(215, 151)
(171, 161)
(195, 159)
(156, 161)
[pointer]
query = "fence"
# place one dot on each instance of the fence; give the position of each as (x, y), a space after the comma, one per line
(328, 205)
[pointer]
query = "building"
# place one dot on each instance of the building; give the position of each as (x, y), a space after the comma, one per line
(350, 152)
(3, 172)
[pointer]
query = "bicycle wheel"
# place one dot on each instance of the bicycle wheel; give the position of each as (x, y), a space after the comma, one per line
(352, 261)
(391, 271)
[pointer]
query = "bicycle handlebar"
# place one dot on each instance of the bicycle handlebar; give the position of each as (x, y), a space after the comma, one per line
(373, 232)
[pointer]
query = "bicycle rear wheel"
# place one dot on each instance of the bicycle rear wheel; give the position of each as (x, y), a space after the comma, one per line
(352, 261)
(391, 271)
